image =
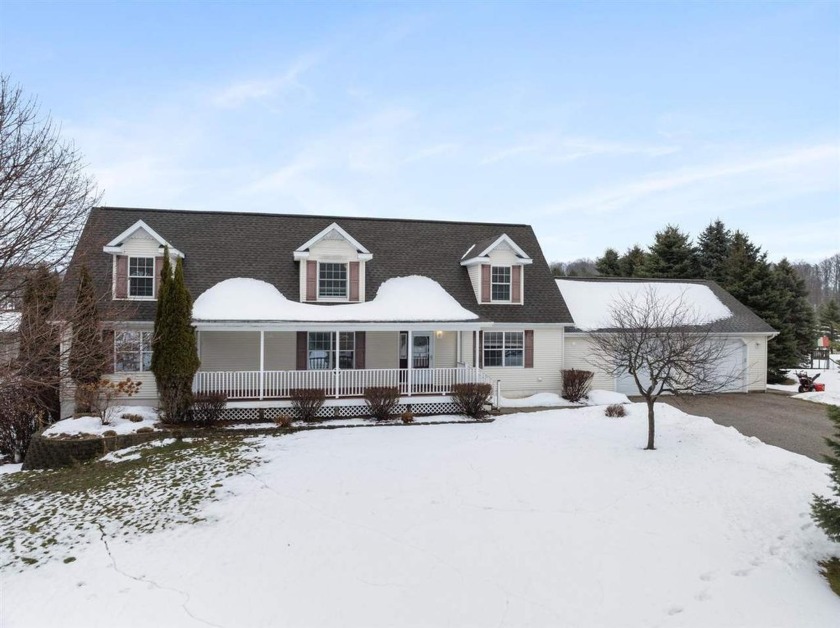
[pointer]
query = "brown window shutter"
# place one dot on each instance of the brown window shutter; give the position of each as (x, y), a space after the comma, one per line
(311, 280)
(529, 348)
(485, 283)
(121, 280)
(516, 284)
(108, 341)
(354, 281)
(158, 271)
(302, 350)
(481, 349)
(360, 349)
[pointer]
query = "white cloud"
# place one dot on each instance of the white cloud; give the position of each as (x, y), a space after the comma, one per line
(567, 149)
(242, 92)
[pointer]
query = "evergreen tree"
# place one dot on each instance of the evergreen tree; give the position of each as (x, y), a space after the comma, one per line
(175, 354)
(796, 317)
(88, 353)
(38, 354)
(632, 263)
(713, 247)
(608, 265)
(671, 255)
(830, 319)
(824, 511)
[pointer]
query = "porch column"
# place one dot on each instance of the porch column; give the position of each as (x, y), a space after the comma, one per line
(410, 350)
(458, 347)
(475, 349)
(336, 355)
(262, 364)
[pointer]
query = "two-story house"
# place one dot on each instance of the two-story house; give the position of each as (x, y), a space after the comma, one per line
(293, 301)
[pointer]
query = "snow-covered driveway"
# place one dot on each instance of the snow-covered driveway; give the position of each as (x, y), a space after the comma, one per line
(545, 519)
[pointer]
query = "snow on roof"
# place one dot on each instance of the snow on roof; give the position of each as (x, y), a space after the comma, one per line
(590, 301)
(9, 321)
(411, 298)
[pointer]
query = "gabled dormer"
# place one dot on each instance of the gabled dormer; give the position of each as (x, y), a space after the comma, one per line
(137, 261)
(497, 270)
(332, 267)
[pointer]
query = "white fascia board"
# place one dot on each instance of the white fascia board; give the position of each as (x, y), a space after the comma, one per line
(300, 255)
(334, 226)
(468, 251)
(116, 245)
(342, 326)
(475, 261)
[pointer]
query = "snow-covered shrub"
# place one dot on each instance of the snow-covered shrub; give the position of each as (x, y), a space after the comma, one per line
(381, 401)
(134, 418)
(308, 401)
(20, 418)
(615, 410)
(99, 395)
(283, 420)
(576, 384)
(207, 408)
(470, 399)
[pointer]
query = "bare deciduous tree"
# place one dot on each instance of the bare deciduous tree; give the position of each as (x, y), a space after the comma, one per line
(45, 194)
(665, 345)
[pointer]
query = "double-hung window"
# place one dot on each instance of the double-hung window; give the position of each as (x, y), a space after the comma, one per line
(332, 280)
(504, 348)
(141, 277)
(500, 283)
(322, 350)
(132, 351)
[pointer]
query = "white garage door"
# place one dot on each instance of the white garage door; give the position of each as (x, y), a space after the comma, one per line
(735, 363)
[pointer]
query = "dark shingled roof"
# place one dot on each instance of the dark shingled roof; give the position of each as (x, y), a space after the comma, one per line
(742, 321)
(222, 245)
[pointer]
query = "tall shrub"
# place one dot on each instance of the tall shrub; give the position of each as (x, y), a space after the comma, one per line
(576, 384)
(88, 353)
(174, 350)
(825, 511)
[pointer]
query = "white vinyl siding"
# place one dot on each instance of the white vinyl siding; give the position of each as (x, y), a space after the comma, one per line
(230, 350)
(382, 349)
(579, 353)
(280, 350)
(544, 377)
(332, 251)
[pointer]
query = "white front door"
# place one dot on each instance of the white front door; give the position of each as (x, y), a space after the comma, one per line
(422, 350)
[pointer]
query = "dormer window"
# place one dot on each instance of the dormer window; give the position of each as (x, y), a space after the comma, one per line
(141, 277)
(332, 280)
(500, 283)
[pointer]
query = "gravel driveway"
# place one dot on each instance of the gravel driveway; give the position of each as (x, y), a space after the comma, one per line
(774, 418)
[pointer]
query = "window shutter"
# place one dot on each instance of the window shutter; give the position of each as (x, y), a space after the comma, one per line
(354, 281)
(360, 349)
(481, 348)
(108, 341)
(158, 271)
(301, 351)
(121, 280)
(485, 283)
(516, 284)
(529, 348)
(311, 280)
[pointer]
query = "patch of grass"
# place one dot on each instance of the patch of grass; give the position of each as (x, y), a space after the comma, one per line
(831, 571)
(43, 513)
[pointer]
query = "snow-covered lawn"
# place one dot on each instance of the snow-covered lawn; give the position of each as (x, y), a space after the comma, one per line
(556, 518)
(830, 377)
(117, 422)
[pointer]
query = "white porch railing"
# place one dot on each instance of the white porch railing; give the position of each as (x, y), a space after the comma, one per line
(337, 384)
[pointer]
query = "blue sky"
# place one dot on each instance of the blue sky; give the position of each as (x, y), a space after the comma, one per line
(597, 123)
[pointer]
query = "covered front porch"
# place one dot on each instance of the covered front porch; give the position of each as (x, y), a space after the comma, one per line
(261, 363)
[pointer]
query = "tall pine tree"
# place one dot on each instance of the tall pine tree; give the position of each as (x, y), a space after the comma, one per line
(713, 247)
(671, 255)
(608, 264)
(824, 511)
(632, 263)
(796, 317)
(88, 353)
(175, 353)
(830, 320)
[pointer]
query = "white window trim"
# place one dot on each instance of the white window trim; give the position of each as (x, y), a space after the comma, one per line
(509, 284)
(332, 350)
(141, 352)
(128, 296)
(503, 365)
(344, 299)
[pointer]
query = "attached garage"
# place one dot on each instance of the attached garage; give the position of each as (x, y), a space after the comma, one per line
(745, 335)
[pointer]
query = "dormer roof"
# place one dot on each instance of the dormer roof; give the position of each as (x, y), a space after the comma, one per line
(334, 231)
(479, 253)
(116, 245)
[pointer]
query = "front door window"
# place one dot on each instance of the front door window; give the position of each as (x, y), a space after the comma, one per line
(422, 351)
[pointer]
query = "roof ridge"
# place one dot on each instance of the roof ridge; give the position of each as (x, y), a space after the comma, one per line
(322, 216)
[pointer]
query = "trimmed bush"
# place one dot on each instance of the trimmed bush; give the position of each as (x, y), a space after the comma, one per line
(615, 410)
(576, 384)
(382, 401)
(207, 408)
(308, 401)
(283, 420)
(407, 417)
(470, 399)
